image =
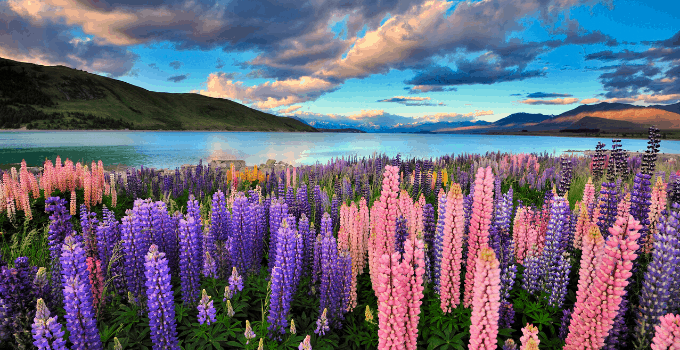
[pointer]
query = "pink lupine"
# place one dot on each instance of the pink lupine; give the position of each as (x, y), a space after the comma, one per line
(529, 332)
(482, 209)
(485, 301)
(667, 335)
(385, 215)
(658, 204)
(582, 225)
(391, 302)
(593, 244)
(94, 268)
(592, 319)
(452, 250)
(412, 270)
(623, 208)
(364, 231)
(520, 233)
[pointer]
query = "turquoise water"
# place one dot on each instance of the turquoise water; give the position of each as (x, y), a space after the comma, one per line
(172, 149)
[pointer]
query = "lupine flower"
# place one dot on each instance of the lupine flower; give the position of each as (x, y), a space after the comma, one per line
(485, 301)
(667, 333)
(209, 266)
(452, 250)
(249, 332)
(60, 226)
(306, 344)
(509, 344)
(292, 327)
(479, 226)
(564, 325)
(228, 293)
(80, 320)
(189, 265)
(657, 289)
(235, 281)
(230, 309)
(206, 310)
(529, 332)
(160, 301)
(593, 318)
(116, 344)
(94, 269)
(47, 330)
(322, 323)
(369, 314)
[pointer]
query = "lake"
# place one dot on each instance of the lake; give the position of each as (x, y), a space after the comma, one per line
(172, 149)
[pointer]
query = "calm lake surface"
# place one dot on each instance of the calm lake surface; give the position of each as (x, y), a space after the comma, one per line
(172, 149)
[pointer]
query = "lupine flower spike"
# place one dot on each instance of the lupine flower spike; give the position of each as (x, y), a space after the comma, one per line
(322, 324)
(292, 327)
(206, 310)
(667, 333)
(116, 344)
(230, 309)
(47, 330)
(249, 332)
(235, 281)
(306, 344)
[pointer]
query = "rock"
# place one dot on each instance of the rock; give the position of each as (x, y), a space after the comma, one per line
(238, 164)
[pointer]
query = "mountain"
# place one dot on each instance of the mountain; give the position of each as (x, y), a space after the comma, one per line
(431, 127)
(602, 124)
(521, 118)
(58, 97)
(675, 108)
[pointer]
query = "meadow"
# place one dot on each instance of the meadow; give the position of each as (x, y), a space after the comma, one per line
(467, 251)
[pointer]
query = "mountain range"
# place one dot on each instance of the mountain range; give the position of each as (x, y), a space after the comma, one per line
(58, 97)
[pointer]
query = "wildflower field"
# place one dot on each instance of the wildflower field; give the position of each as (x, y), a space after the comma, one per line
(469, 251)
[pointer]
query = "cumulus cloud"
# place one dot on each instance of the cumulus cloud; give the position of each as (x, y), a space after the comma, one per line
(178, 78)
(175, 64)
(49, 43)
(269, 94)
(556, 101)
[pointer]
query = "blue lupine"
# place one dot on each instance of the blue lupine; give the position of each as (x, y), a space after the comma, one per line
(439, 241)
(258, 234)
(290, 201)
(308, 242)
(400, 234)
(189, 265)
(277, 212)
(209, 266)
(335, 213)
(564, 325)
(657, 293)
(80, 319)
(555, 266)
(18, 292)
(88, 223)
(608, 207)
(428, 236)
(303, 201)
(108, 234)
(318, 207)
(331, 276)
(160, 301)
(235, 281)
(206, 309)
(47, 330)
(241, 247)
(194, 211)
(135, 234)
(284, 276)
(60, 227)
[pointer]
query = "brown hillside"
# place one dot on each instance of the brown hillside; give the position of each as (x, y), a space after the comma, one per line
(645, 117)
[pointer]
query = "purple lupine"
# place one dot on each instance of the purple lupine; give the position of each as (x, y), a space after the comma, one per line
(303, 201)
(258, 235)
(555, 265)
(282, 190)
(330, 287)
(400, 234)
(88, 223)
(283, 277)
(206, 309)
(318, 207)
(60, 227)
(136, 242)
(439, 241)
(189, 266)
(429, 230)
(426, 174)
(467, 212)
(158, 211)
(160, 301)
(416, 181)
(80, 319)
(367, 191)
(335, 213)
(564, 325)
(277, 212)
(506, 315)
(209, 266)
(18, 292)
(194, 211)
(532, 271)
(241, 247)
(657, 290)
(608, 207)
(108, 235)
(308, 242)
(290, 201)
(47, 330)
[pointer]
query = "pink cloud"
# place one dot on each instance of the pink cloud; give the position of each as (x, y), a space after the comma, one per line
(590, 100)
(646, 99)
(269, 94)
(556, 101)
(289, 109)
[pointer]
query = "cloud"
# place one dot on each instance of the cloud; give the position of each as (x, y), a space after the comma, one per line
(557, 101)
(153, 65)
(269, 94)
(547, 95)
(48, 43)
(175, 64)
(590, 100)
(219, 63)
(178, 78)
(428, 88)
(411, 101)
(288, 110)
(668, 99)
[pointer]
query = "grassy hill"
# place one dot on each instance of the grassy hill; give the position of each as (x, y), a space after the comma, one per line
(58, 97)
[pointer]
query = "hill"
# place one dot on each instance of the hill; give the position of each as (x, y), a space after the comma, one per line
(58, 97)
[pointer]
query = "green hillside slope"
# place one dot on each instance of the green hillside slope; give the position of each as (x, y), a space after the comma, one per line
(43, 97)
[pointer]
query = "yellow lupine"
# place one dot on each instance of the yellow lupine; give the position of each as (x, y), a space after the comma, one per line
(445, 177)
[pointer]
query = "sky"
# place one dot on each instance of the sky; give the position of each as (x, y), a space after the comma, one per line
(377, 63)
